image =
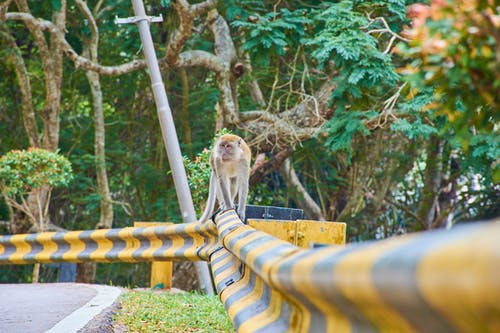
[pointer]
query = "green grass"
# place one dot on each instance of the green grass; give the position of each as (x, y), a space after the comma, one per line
(149, 311)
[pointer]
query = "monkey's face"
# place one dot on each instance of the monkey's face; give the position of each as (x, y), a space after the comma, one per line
(229, 150)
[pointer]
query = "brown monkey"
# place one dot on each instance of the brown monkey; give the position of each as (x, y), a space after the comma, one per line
(230, 163)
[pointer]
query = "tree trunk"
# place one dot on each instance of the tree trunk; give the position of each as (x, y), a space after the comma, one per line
(299, 193)
(86, 271)
(106, 211)
(427, 207)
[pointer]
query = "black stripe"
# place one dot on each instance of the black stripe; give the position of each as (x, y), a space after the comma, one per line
(8, 247)
(36, 247)
(166, 243)
(118, 244)
(63, 246)
(90, 245)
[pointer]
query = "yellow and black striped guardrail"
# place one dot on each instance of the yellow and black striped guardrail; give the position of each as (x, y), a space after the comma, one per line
(190, 241)
(441, 281)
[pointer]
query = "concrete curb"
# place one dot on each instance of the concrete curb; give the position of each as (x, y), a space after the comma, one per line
(105, 298)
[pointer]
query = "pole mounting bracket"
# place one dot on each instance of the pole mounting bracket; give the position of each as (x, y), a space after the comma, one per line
(135, 19)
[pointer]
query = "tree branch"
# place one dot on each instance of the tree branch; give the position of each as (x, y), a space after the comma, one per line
(79, 61)
(263, 167)
(29, 120)
(300, 194)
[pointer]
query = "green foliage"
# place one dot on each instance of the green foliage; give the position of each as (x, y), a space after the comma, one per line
(342, 37)
(166, 3)
(456, 53)
(365, 72)
(273, 31)
(342, 130)
(485, 146)
(56, 5)
(198, 171)
(146, 311)
(452, 63)
(413, 130)
(485, 152)
(22, 171)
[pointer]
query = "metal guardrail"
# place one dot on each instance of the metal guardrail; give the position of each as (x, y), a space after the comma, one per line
(440, 281)
(188, 241)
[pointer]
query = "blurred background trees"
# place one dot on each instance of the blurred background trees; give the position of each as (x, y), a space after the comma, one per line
(382, 114)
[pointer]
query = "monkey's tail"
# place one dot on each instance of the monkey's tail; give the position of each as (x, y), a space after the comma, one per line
(209, 208)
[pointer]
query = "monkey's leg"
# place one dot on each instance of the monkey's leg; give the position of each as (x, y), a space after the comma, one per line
(224, 187)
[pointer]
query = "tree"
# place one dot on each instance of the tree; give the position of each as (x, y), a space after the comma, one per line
(453, 60)
(51, 57)
(32, 174)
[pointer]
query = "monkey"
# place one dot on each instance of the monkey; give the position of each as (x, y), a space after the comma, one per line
(230, 164)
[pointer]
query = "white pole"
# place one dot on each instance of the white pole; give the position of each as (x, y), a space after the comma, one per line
(170, 136)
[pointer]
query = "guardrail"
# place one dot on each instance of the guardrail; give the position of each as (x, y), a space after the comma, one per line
(440, 281)
(188, 241)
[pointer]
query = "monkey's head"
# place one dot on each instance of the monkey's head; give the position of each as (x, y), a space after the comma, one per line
(229, 147)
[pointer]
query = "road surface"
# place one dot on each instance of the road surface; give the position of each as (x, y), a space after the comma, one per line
(56, 307)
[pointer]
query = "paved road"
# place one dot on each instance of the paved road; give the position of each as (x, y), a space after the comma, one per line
(53, 307)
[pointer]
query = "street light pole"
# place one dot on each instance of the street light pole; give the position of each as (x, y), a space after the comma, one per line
(168, 130)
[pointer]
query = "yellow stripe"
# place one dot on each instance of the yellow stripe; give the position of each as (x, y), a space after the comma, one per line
(223, 261)
(270, 315)
(131, 244)
(76, 245)
(353, 276)
(305, 281)
(103, 245)
(242, 241)
(244, 302)
(472, 301)
(198, 241)
(257, 251)
(48, 246)
(221, 276)
(234, 288)
(154, 241)
(177, 242)
(274, 310)
(22, 248)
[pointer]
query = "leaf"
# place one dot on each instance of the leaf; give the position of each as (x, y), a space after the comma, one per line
(414, 130)
(56, 5)
(165, 3)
